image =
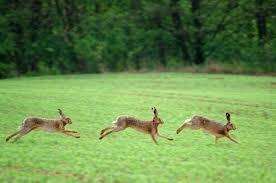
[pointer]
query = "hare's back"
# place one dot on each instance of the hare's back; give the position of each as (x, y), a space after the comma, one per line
(214, 127)
(37, 121)
(127, 120)
(198, 120)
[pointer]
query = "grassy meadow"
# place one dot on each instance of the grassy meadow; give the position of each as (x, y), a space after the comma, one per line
(94, 101)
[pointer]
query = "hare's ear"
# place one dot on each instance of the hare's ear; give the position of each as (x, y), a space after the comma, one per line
(154, 111)
(228, 117)
(61, 113)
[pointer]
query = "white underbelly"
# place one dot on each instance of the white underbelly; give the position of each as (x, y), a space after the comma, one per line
(47, 129)
(212, 132)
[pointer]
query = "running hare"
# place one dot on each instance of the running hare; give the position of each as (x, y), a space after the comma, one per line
(148, 127)
(50, 125)
(217, 129)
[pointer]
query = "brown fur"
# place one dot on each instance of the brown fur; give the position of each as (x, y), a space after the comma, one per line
(217, 129)
(148, 127)
(50, 125)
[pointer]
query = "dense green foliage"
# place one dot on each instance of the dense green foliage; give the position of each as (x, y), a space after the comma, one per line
(67, 36)
(94, 101)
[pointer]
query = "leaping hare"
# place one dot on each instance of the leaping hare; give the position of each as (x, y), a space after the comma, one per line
(50, 125)
(148, 127)
(217, 129)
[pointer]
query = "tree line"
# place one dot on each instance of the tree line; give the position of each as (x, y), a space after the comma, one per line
(90, 36)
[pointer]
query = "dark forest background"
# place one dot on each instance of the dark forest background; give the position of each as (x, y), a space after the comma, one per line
(91, 36)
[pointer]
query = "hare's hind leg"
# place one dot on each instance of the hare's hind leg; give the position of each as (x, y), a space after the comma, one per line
(12, 135)
(104, 130)
(189, 124)
(22, 132)
(184, 125)
(181, 128)
(114, 129)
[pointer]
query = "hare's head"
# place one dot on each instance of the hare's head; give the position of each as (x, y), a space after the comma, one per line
(64, 119)
(156, 119)
(229, 125)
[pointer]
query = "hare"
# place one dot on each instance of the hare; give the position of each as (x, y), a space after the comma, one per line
(50, 125)
(217, 129)
(148, 127)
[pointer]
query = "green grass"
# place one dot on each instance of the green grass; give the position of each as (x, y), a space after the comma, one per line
(94, 101)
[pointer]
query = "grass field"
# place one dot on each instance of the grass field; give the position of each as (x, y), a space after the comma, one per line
(94, 101)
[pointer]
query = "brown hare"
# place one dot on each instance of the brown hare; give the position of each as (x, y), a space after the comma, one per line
(217, 129)
(148, 127)
(50, 125)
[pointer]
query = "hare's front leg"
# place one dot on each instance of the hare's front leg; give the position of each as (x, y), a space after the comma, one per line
(66, 132)
(162, 136)
(229, 137)
(153, 136)
(70, 131)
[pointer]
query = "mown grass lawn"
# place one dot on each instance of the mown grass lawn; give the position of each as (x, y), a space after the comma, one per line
(94, 101)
